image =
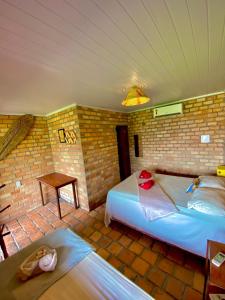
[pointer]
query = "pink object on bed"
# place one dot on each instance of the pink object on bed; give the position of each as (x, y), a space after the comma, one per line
(155, 202)
(145, 174)
(147, 184)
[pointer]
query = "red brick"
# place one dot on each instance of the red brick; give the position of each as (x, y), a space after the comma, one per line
(136, 248)
(115, 262)
(23, 243)
(125, 241)
(36, 236)
(58, 224)
(114, 248)
(140, 266)
(114, 235)
(162, 295)
(145, 241)
(103, 253)
(145, 284)
(149, 256)
(175, 287)
(105, 230)
(11, 249)
(129, 273)
(31, 158)
(126, 256)
(162, 135)
(192, 294)
(184, 274)
(160, 247)
(166, 265)
(88, 231)
(95, 236)
(98, 225)
(199, 281)
(104, 242)
(157, 277)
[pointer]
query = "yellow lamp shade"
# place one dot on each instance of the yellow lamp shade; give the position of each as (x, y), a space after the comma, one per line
(135, 96)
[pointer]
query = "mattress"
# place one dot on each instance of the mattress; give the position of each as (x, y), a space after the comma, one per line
(186, 229)
(94, 279)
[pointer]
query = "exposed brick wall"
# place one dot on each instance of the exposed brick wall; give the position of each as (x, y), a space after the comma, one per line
(93, 159)
(173, 143)
(99, 144)
(32, 158)
(68, 158)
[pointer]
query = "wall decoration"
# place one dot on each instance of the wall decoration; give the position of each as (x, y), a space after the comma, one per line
(136, 145)
(67, 136)
(71, 137)
(15, 135)
(62, 136)
(138, 149)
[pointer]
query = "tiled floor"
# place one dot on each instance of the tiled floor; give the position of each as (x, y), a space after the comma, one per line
(163, 271)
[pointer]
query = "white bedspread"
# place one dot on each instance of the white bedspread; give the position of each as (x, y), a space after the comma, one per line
(94, 279)
(155, 202)
(187, 229)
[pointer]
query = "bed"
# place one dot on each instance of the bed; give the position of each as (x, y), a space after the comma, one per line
(91, 278)
(187, 229)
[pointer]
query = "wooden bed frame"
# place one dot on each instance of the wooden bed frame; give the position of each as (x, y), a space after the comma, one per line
(165, 172)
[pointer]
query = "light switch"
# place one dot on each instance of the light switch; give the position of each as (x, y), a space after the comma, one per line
(205, 139)
(18, 184)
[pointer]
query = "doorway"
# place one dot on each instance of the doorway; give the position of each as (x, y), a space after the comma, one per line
(123, 151)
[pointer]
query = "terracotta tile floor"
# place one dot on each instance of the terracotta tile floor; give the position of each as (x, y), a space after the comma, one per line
(163, 271)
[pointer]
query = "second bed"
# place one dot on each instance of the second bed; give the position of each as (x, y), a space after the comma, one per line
(186, 229)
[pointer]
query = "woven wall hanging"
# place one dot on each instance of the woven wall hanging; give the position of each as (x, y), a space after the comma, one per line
(15, 135)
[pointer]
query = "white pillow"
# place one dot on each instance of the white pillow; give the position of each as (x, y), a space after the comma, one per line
(214, 182)
(209, 201)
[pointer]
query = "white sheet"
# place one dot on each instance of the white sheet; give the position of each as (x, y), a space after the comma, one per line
(155, 202)
(187, 229)
(94, 279)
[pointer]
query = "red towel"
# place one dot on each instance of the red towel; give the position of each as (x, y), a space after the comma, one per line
(145, 174)
(147, 184)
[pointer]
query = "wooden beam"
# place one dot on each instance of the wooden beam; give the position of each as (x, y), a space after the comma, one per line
(15, 135)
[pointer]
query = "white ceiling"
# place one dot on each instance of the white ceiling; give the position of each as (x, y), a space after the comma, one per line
(57, 52)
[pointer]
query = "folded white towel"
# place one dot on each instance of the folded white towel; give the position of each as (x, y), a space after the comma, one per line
(43, 259)
(48, 262)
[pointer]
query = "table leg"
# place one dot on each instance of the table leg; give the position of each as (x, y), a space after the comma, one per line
(2, 244)
(42, 197)
(75, 195)
(58, 203)
(207, 262)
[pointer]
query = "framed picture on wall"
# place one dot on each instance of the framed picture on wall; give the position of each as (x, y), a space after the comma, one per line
(62, 135)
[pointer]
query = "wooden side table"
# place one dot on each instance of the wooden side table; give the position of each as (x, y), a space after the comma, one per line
(215, 276)
(57, 181)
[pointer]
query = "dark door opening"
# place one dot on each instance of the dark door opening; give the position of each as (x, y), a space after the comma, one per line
(123, 151)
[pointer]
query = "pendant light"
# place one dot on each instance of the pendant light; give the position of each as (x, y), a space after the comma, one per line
(135, 96)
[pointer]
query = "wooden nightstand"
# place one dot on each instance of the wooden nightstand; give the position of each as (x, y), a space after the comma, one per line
(215, 276)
